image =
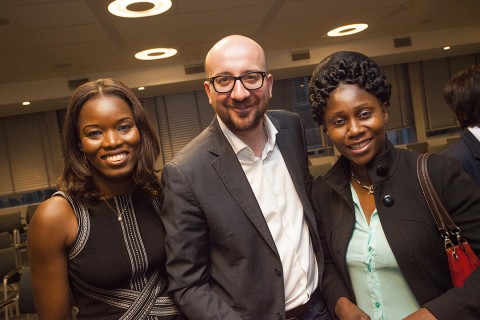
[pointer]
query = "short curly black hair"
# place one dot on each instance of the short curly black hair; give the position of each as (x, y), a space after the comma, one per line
(345, 67)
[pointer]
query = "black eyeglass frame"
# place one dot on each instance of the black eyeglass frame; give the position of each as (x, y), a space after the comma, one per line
(262, 73)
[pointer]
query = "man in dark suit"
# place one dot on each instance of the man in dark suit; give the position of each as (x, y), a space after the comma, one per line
(242, 241)
(462, 93)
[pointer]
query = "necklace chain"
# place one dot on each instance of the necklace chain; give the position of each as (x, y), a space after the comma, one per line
(118, 214)
(361, 184)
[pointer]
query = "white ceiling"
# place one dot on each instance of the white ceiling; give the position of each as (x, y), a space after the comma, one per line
(46, 43)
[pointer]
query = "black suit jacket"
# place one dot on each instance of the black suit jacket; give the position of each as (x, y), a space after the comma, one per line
(409, 228)
(467, 151)
(221, 258)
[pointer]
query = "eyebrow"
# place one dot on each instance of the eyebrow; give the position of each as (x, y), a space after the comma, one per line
(118, 121)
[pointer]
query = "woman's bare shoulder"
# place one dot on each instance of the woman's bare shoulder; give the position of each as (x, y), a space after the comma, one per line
(54, 208)
(54, 217)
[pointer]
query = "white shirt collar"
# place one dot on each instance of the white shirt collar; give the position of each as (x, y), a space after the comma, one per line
(238, 145)
(475, 130)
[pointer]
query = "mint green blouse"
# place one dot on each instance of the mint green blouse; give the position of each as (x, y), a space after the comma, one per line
(378, 284)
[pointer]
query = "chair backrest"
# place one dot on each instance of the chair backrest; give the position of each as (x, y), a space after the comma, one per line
(320, 169)
(420, 147)
(437, 148)
(452, 140)
(25, 296)
(5, 240)
(30, 211)
(8, 260)
(10, 221)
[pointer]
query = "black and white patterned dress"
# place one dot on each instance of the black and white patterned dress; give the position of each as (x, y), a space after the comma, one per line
(117, 267)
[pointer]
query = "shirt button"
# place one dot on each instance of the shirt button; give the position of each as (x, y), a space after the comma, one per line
(278, 272)
(377, 305)
(382, 171)
(388, 200)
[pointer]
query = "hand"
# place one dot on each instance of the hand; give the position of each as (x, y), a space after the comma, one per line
(347, 310)
(421, 314)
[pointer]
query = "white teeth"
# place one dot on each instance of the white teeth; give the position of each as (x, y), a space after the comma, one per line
(359, 146)
(115, 158)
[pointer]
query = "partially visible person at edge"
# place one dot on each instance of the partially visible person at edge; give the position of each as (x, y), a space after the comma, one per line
(462, 94)
(101, 237)
(241, 234)
(382, 249)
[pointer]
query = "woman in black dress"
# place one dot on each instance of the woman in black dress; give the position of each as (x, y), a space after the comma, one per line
(99, 239)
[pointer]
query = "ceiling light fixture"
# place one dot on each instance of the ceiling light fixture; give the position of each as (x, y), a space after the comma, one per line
(26, 103)
(347, 30)
(157, 53)
(120, 8)
(446, 48)
(141, 88)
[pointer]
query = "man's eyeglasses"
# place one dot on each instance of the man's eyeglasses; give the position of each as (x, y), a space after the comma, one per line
(250, 80)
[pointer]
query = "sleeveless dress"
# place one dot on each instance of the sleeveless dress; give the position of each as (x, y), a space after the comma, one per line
(117, 267)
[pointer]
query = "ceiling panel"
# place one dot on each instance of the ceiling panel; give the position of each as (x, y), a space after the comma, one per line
(52, 41)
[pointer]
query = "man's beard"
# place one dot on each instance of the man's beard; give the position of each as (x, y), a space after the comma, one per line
(243, 124)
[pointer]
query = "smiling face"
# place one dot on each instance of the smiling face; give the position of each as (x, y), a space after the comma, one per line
(109, 138)
(240, 109)
(355, 122)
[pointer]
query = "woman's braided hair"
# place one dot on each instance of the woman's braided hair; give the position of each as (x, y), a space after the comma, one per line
(350, 68)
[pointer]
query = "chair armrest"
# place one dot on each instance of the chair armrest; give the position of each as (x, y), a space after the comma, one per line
(11, 277)
(6, 303)
(7, 279)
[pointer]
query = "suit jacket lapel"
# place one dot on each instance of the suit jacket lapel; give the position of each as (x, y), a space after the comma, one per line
(231, 173)
(291, 161)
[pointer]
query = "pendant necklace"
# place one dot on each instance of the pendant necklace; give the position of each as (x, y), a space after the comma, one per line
(118, 214)
(361, 184)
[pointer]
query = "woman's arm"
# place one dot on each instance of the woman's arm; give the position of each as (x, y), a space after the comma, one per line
(421, 314)
(52, 229)
(347, 310)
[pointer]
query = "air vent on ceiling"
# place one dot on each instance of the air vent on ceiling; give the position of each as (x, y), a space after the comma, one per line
(194, 68)
(301, 55)
(74, 84)
(402, 42)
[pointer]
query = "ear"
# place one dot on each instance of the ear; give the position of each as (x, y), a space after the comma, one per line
(208, 89)
(385, 112)
(270, 84)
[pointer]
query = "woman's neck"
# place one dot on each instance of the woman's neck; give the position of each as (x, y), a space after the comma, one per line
(110, 189)
(361, 173)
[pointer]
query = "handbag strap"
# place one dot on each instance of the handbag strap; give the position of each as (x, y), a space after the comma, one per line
(445, 224)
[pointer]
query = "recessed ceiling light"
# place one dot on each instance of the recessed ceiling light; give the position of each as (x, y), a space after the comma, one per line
(141, 88)
(446, 48)
(347, 30)
(120, 8)
(157, 53)
(26, 103)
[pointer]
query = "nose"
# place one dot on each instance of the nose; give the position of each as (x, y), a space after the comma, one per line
(239, 92)
(111, 139)
(355, 129)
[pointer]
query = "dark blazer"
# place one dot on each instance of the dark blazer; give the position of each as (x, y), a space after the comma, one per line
(467, 151)
(408, 225)
(221, 258)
